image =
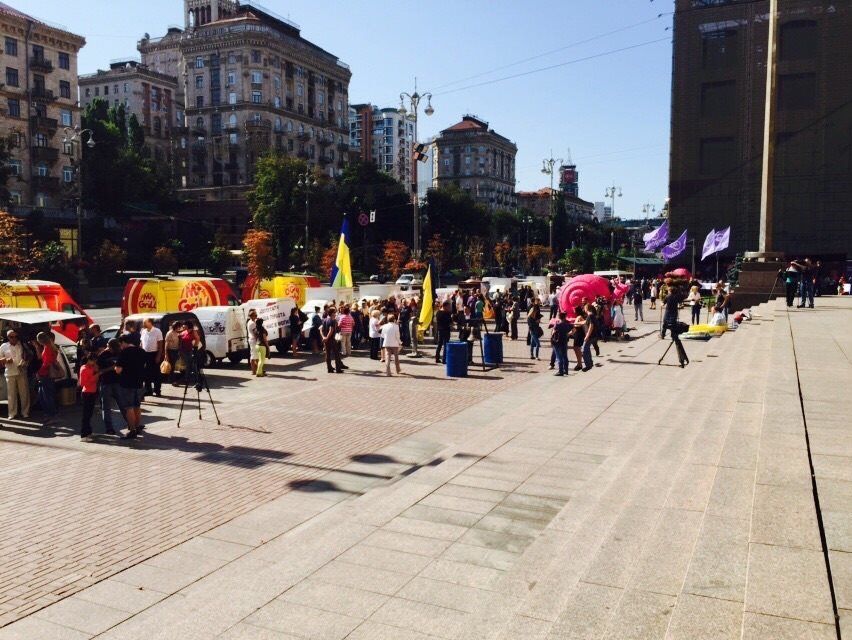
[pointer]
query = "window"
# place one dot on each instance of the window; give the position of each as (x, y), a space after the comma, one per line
(65, 118)
(278, 124)
(232, 78)
(68, 148)
(158, 126)
(277, 102)
(232, 121)
(256, 97)
(199, 102)
(106, 89)
(11, 47)
(126, 87)
(88, 92)
(232, 57)
(232, 98)
(199, 82)
(300, 90)
(64, 61)
(115, 89)
(233, 138)
(320, 97)
(199, 62)
(14, 107)
(40, 140)
(67, 174)
(11, 77)
(15, 167)
(799, 40)
(276, 82)
(256, 77)
(42, 170)
(797, 91)
(718, 100)
(719, 49)
(64, 89)
(255, 55)
(97, 91)
(15, 197)
(717, 156)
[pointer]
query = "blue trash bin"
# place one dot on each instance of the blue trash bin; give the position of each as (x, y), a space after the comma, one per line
(492, 348)
(456, 359)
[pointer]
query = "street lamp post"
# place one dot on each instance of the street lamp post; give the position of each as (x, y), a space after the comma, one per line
(649, 208)
(611, 192)
(547, 168)
(306, 181)
(87, 137)
(414, 104)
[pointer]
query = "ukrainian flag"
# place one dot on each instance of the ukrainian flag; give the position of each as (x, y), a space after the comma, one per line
(341, 273)
(427, 305)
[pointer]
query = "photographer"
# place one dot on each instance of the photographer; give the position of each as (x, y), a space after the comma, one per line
(671, 323)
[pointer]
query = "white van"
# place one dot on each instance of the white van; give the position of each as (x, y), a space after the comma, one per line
(275, 313)
(225, 333)
(342, 294)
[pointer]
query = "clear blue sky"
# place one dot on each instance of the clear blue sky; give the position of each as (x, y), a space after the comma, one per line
(611, 111)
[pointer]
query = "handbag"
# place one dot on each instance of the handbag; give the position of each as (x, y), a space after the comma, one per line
(56, 371)
(165, 368)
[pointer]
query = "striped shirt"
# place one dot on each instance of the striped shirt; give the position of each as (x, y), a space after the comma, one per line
(346, 323)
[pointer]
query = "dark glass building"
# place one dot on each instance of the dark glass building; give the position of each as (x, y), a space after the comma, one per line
(718, 102)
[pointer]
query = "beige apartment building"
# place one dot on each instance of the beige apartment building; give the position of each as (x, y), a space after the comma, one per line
(148, 94)
(38, 99)
(251, 83)
(478, 160)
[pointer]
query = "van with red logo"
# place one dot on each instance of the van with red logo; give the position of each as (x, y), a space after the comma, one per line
(43, 294)
(281, 285)
(181, 293)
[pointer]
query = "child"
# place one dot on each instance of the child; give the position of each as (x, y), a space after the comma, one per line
(88, 384)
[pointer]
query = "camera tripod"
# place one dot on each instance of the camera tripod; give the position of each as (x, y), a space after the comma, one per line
(681, 352)
(200, 383)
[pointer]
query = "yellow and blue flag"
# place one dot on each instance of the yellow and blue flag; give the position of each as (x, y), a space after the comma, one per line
(341, 272)
(427, 304)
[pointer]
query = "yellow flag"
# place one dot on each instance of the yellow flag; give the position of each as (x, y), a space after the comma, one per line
(427, 305)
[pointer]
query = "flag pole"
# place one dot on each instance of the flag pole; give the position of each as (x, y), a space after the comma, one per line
(717, 266)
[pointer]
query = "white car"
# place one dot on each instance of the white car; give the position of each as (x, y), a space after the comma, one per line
(406, 278)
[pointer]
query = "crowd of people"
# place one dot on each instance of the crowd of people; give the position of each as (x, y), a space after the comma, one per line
(31, 369)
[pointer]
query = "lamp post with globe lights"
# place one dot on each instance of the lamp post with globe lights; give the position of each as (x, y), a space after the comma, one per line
(414, 107)
(307, 181)
(87, 137)
(611, 193)
(547, 168)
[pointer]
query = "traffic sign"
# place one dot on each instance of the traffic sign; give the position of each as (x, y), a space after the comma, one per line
(363, 220)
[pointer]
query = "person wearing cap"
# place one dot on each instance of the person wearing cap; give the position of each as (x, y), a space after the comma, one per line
(13, 357)
(97, 341)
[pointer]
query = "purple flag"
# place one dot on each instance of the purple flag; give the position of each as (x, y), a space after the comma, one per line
(676, 248)
(723, 239)
(709, 244)
(656, 238)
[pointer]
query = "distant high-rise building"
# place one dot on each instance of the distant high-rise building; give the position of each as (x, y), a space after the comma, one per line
(569, 180)
(478, 160)
(39, 101)
(383, 137)
(600, 212)
(718, 105)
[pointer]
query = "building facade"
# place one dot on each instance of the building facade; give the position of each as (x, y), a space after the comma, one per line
(38, 100)
(537, 202)
(478, 160)
(718, 104)
(383, 137)
(147, 94)
(249, 83)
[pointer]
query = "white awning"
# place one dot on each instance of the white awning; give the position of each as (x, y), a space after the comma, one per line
(37, 316)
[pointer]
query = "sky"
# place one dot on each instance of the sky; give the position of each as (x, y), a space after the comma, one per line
(604, 101)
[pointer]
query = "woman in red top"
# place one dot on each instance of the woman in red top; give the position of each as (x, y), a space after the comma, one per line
(46, 384)
(88, 383)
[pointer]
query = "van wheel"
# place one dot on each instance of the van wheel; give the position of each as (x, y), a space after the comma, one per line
(234, 359)
(282, 347)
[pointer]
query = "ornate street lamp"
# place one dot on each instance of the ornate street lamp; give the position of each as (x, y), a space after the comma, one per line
(87, 137)
(414, 104)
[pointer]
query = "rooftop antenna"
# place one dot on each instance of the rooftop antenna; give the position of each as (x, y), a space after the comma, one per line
(568, 160)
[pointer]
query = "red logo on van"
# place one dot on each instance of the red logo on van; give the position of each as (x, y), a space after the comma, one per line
(195, 294)
(147, 302)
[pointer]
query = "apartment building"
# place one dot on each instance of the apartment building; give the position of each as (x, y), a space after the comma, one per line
(718, 106)
(383, 137)
(38, 100)
(146, 93)
(251, 83)
(478, 160)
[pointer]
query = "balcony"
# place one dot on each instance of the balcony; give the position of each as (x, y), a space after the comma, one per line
(198, 131)
(258, 125)
(45, 154)
(324, 142)
(303, 136)
(40, 123)
(46, 183)
(342, 146)
(42, 94)
(41, 64)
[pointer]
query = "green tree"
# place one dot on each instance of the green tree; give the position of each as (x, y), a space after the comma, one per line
(454, 215)
(577, 259)
(273, 204)
(5, 172)
(218, 261)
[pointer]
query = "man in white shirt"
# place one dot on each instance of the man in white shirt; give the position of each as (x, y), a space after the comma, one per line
(17, 385)
(251, 333)
(152, 345)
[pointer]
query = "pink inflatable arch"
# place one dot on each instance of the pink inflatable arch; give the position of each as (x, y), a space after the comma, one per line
(578, 288)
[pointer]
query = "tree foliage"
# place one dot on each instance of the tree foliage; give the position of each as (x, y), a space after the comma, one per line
(394, 257)
(257, 248)
(164, 260)
(17, 261)
(5, 172)
(218, 260)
